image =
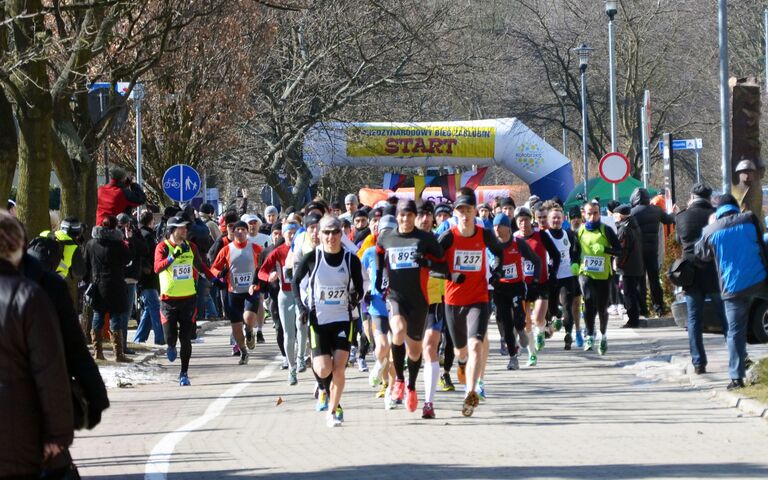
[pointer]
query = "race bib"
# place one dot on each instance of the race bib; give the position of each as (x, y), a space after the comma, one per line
(182, 272)
(510, 271)
(243, 279)
(528, 268)
(402, 257)
(594, 264)
(467, 260)
(333, 296)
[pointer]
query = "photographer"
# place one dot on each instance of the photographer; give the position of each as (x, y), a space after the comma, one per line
(119, 195)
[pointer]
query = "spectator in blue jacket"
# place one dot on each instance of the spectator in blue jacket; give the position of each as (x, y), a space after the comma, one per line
(733, 241)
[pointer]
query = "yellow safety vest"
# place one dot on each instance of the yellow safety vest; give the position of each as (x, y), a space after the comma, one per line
(69, 250)
(594, 266)
(178, 279)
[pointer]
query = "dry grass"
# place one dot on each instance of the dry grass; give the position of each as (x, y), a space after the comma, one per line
(760, 390)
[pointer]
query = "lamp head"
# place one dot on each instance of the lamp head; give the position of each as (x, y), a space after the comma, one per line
(611, 8)
(583, 51)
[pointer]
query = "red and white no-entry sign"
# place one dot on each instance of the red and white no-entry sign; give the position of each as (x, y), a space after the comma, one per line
(614, 167)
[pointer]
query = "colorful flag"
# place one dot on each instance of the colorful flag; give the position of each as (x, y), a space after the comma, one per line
(474, 178)
(449, 184)
(420, 182)
(393, 181)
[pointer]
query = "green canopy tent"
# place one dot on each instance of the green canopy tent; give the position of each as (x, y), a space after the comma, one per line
(597, 187)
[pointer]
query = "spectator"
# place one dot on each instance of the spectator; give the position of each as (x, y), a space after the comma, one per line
(11, 207)
(748, 191)
(484, 212)
(733, 242)
(106, 256)
(630, 263)
(35, 396)
(149, 283)
(132, 270)
(207, 216)
(649, 218)
(69, 237)
(168, 212)
(690, 223)
(118, 196)
(197, 231)
(336, 209)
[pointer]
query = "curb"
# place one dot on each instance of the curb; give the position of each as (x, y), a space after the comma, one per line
(205, 327)
(734, 400)
(656, 322)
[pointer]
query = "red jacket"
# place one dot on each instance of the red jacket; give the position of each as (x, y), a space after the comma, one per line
(275, 262)
(115, 198)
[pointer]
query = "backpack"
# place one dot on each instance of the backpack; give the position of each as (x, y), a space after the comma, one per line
(48, 250)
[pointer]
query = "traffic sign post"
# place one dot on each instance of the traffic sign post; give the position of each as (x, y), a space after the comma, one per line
(181, 183)
(614, 168)
(695, 144)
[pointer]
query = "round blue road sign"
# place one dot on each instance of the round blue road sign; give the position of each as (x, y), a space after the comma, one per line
(181, 183)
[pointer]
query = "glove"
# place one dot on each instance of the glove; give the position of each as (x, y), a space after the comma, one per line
(177, 251)
(598, 249)
(354, 299)
(495, 277)
(367, 297)
(185, 247)
(303, 316)
(422, 261)
(458, 278)
(575, 268)
(219, 283)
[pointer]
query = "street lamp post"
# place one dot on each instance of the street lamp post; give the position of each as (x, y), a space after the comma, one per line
(610, 9)
(725, 131)
(561, 94)
(584, 51)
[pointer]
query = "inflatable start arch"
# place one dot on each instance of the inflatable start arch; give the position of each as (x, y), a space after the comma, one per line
(504, 142)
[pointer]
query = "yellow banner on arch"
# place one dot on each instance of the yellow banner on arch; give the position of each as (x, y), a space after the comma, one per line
(421, 141)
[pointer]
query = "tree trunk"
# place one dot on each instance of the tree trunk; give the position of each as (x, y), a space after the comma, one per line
(9, 149)
(35, 166)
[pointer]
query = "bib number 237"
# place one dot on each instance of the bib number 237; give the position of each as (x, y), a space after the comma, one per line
(467, 260)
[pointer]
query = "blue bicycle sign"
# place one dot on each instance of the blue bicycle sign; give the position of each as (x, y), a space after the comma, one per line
(181, 183)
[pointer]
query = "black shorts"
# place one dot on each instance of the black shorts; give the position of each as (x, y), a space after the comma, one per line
(239, 303)
(569, 284)
(470, 321)
(415, 314)
(381, 324)
(537, 291)
(325, 339)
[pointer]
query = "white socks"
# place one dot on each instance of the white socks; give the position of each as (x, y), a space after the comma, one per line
(431, 374)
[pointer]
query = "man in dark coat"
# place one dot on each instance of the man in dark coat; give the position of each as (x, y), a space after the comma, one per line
(689, 224)
(649, 218)
(630, 263)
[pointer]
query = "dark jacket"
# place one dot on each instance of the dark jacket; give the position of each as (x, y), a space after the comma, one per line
(735, 246)
(149, 279)
(106, 255)
(199, 234)
(648, 217)
(134, 268)
(630, 262)
(80, 364)
(688, 227)
(35, 397)
(115, 198)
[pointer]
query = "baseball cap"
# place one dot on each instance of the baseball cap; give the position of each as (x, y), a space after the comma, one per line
(387, 222)
(503, 220)
(249, 217)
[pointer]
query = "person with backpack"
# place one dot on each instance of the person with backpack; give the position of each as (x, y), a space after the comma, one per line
(71, 265)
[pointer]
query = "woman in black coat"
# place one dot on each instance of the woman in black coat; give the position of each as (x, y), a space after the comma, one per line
(35, 398)
(106, 256)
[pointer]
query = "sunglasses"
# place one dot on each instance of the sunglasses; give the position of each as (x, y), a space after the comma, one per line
(331, 232)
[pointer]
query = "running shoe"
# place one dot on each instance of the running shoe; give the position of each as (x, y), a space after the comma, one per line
(250, 342)
(503, 349)
(539, 341)
(603, 348)
(428, 410)
(339, 414)
(352, 355)
(481, 389)
(622, 309)
(184, 380)
(389, 402)
(235, 350)
(461, 373)
(579, 339)
(260, 337)
(446, 384)
(412, 401)
(471, 401)
(398, 390)
(292, 380)
(302, 365)
(613, 310)
(568, 341)
(374, 378)
(532, 360)
(322, 401)
(285, 365)
(171, 354)
(362, 365)
(243, 358)
(558, 324)
(589, 343)
(332, 421)
(513, 364)
(382, 390)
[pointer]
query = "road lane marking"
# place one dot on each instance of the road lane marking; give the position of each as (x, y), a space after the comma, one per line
(157, 465)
